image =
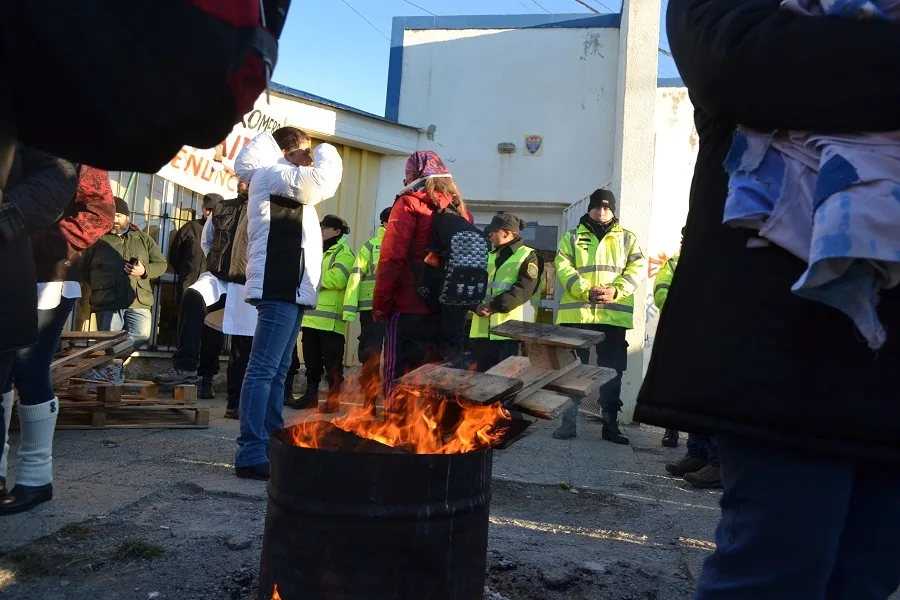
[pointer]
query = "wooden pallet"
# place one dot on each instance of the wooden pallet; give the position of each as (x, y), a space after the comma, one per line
(163, 415)
(85, 350)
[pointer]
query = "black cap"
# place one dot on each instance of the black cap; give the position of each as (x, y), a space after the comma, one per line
(507, 221)
(122, 207)
(602, 198)
(210, 200)
(335, 222)
(386, 214)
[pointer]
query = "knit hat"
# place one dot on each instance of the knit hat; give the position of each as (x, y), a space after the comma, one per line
(210, 200)
(425, 164)
(507, 221)
(602, 198)
(385, 215)
(335, 222)
(122, 207)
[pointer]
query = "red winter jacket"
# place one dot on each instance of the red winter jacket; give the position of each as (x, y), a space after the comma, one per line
(405, 243)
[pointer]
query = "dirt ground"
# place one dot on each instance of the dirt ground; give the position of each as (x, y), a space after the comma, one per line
(188, 544)
(159, 514)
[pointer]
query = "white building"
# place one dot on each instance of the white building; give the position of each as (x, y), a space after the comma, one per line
(530, 112)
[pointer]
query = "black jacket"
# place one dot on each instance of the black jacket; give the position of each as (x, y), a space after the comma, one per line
(39, 189)
(227, 258)
(525, 286)
(186, 253)
(736, 351)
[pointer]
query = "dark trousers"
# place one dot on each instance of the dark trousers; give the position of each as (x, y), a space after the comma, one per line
(410, 342)
(237, 367)
(612, 353)
(703, 446)
(31, 365)
(323, 352)
(489, 353)
(371, 344)
(798, 526)
(193, 334)
(453, 333)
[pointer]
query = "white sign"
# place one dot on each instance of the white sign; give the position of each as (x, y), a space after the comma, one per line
(211, 170)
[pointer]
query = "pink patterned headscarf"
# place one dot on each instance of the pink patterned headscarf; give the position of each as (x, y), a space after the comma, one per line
(425, 164)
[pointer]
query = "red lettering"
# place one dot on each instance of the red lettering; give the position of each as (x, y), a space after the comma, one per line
(208, 170)
(178, 158)
(196, 162)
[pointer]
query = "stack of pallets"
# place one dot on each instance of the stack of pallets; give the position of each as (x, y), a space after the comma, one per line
(89, 404)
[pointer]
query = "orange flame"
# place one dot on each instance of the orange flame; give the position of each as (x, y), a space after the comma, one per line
(275, 594)
(424, 426)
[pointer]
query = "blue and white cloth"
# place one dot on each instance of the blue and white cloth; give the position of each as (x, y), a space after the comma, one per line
(832, 201)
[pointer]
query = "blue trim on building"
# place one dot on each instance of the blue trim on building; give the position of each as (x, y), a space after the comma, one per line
(402, 24)
(300, 95)
(670, 82)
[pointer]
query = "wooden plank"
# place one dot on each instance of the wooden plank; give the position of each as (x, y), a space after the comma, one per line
(543, 405)
(540, 382)
(549, 335)
(185, 392)
(109, 394)
(581, 381)
(455, 384)
(59, 376)
(549, 357)
(518, 367)
(81, 353)
(92, 335)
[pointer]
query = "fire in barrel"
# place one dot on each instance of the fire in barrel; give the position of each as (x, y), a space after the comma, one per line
(390, 508)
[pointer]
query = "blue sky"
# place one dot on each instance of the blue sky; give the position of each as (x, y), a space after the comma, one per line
(329, 50)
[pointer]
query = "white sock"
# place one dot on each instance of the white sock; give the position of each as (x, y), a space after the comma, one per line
(6, 401)
(36, 452)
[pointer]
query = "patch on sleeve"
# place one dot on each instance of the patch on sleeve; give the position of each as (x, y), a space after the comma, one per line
(532, 270)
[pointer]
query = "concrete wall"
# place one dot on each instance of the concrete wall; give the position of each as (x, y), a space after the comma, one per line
(675, 154)
(558, 83)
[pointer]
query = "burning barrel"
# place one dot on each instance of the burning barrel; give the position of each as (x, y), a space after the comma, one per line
(355, 519)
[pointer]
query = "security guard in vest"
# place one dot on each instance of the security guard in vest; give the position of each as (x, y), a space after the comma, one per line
(358, 300)
(599, 265)
(323, 328)
(514, 277)
(660, 293)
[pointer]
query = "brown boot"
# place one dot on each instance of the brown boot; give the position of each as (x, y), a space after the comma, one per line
(686, 465)
(709, 478)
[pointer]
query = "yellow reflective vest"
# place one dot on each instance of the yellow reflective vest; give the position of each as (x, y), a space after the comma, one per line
(663, 281)
(499, 281)
(361, 285)
(336, 264)
(583, 262)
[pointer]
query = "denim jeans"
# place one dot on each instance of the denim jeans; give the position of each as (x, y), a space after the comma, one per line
(703, 446)
(262, 395)
(31, 366)
(798, 526)
(136, 321)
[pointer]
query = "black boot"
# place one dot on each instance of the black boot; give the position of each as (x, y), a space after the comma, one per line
(688, 464)
(611, 431)
(206, 389)
(670, 439)
(23, 498)
(3, 490)
(288, 391)
(309, 399)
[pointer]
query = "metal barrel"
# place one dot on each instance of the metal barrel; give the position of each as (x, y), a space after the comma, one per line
(375, 526)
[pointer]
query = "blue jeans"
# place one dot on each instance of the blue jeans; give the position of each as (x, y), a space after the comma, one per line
(136, 321)
(799, 526)
(262, 395)
(703, 446)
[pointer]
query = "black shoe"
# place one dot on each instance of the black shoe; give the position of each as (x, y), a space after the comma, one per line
(688, 464)
(611, 431)
(303, 403)
(231, 413)
(670, 439)
(23, 498)
(206, 389)
(565, 431)
(707, 478)
(259, 472)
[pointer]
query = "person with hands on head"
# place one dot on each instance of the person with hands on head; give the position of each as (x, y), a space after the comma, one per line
(514, 277)
(599, 265)
(805, 413)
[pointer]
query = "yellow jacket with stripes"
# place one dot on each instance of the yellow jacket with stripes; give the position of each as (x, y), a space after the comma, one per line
(663, 281)
(361, 285)
(336, 264)
(583, 262)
